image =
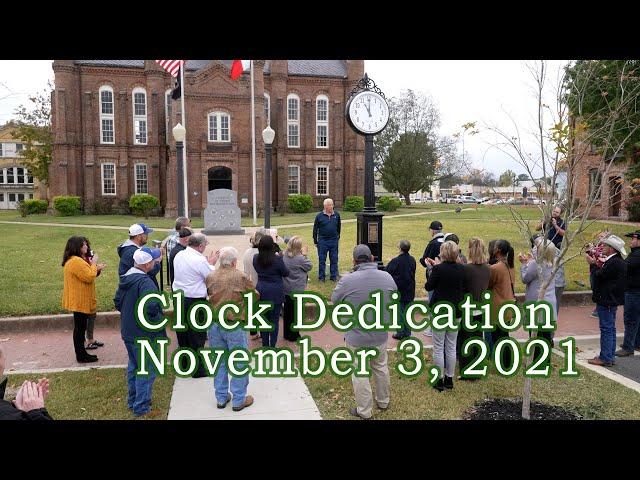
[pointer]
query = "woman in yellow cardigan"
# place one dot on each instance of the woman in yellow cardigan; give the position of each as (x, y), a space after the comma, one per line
(79, 294)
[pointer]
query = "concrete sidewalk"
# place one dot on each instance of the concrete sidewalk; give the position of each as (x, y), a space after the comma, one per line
(274, 399)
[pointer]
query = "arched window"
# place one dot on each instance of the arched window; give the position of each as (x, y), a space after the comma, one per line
(267, 108)
(219, 127)
(293, 121)
(322, 121)
(107, 127)
(139, 116)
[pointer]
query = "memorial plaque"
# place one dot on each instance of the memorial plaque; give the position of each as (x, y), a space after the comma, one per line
(222, 214)
(373, 232)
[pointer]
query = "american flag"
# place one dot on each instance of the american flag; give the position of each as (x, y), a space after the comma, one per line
(171, 66)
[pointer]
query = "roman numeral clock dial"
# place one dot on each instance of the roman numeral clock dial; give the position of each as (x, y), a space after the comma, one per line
(368, 112)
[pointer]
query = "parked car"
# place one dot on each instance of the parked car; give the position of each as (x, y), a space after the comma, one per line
(483, 200)
(427, 200)
(466, 199)
(453, 199)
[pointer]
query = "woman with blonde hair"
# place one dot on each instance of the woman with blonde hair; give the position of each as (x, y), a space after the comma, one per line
(447, 281)
(295, 259)
(476, 273)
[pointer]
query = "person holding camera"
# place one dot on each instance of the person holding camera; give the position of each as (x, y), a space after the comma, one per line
(79, 293)
(92, 343)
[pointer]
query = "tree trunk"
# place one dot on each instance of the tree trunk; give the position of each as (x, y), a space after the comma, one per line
(407, 198)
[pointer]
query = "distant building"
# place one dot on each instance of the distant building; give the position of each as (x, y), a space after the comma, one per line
(16, 183)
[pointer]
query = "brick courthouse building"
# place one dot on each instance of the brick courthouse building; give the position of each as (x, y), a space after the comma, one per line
(112, 122)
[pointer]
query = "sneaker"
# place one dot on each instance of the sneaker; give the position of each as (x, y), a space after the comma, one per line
(222, 405)
(448, 382)
(248, 401)
(88, 359)
(623, 353)
(384, 409)
(353, 411)
(439, 385)
(399, 336)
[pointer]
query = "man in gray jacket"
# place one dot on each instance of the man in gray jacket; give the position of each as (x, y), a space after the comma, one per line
(356, 288)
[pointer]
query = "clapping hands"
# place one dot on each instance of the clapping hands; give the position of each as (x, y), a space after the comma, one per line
(31, 395)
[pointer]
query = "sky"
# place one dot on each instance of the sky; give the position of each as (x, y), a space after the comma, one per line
(484, 91)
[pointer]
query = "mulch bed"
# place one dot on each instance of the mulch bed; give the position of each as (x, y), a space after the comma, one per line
(511, 409)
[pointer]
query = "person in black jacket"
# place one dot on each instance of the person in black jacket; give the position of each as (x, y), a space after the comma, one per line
(183, 240)
(631, 340)
(608, 292)
(29, 402)
(447, 281)
(403, 270)
(433, 247)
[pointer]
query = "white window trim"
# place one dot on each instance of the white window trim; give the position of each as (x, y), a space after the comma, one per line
(323, 122)
(267, 97)
(322, 194)
(135, 177)
(167, 118)
(107, 116)
(218, 132)
(139, 117)
(297, 167)
(115, 180)
(293, 122)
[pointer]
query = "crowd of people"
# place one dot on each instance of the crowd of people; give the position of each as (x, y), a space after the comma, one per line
(274, 275)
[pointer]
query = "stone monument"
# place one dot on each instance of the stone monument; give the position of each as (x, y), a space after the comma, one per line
(222, 215)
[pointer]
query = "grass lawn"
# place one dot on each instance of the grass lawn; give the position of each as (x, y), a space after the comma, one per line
(96, 394)
(32, 278)
(590, 395)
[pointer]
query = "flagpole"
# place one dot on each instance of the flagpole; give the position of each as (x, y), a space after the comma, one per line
(253, 146)
(184, 161)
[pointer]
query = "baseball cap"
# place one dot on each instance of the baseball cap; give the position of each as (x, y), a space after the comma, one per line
(435, 225)
(145, 255)
(361, 253)
(633, 234)
(138, 228)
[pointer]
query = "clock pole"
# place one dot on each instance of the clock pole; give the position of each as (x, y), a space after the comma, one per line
(369, 227)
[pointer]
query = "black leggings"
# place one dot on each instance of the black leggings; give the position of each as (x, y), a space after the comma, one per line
(79, 331)
(287, 320)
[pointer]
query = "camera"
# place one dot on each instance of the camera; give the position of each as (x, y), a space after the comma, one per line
(90, 253)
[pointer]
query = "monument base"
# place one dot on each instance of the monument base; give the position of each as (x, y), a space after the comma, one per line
(210, 231)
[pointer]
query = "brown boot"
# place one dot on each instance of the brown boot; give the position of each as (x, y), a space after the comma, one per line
(599, 362)
(248, 401)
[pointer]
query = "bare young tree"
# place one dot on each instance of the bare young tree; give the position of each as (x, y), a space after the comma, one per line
(565, 135)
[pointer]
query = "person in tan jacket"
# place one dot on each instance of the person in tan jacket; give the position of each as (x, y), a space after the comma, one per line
(79, 293)
(501, 279)
(224, 285)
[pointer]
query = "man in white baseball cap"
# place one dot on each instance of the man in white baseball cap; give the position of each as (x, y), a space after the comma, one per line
(138, 237)
(608, 292)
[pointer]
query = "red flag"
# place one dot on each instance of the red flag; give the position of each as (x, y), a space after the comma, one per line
(238, 67)
(171, 66)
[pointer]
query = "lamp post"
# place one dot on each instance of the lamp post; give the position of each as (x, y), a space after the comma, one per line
(268, 134)
(179, 134)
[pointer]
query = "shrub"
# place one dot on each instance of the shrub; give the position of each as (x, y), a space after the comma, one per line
(353, 204)
(143, 204)
(389, 204)
(103, 206)
(122, 208)
(67, 205)
(300, 203)
(32, 207)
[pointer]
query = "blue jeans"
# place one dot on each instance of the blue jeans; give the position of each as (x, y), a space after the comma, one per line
(631, 321)
(607, 316)
(221, 338)
(269, 339)
(330, 247)
(140, 386)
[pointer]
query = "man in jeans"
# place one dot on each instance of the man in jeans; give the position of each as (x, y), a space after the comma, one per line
(608, 292)
(631, 340)
(355, 288)
(326, 236)
(134, 284)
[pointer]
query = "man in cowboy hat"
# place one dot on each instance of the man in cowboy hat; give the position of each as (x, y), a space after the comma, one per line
(608, 292)
(631, 340)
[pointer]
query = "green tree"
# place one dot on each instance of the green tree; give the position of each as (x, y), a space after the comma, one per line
(523, 177)
(33, 129)
(507, 178)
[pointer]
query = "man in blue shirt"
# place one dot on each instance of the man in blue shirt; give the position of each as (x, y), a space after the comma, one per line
(556, 227)
(326, 235)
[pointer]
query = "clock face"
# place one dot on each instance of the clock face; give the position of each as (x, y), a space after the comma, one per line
(368, 112)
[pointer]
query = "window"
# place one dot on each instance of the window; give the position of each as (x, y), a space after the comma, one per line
(167, 116)
(20, 175)
(141, 178)
(107, 133)
(2, 197)
(12, 197)
(29, 177)
(322, 180)
(139, 116)
(2, 176)
(294, 179)
(31, 196)
(595, 184)
(20, 197)
(322, 122)
(267, 108)
(1, 149)
(19, 148)
(293, 121)
(10, 175)
(108, 179)
(219, 130)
